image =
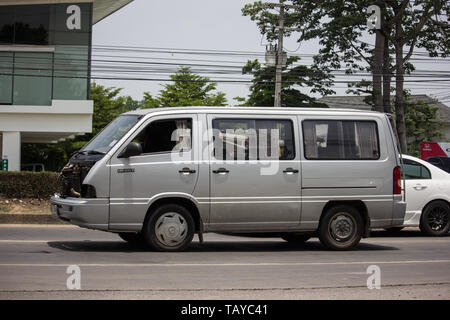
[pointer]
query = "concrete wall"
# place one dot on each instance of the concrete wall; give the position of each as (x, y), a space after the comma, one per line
(11, 149)
(42, 124)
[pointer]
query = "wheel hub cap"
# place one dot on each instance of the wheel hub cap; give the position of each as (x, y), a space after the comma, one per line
(171, 229)
(342, 227)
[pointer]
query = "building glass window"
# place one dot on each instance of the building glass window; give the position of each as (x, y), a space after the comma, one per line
(6, 78)
(6, 24)
(36, 77)
(32, 78)
(70, 78)
(340, 140)
(31, 25)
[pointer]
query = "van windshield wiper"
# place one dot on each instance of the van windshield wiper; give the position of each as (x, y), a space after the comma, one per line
(87, 152)
(92, 152)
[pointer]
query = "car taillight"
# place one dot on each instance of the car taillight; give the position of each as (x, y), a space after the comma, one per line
(397, 180)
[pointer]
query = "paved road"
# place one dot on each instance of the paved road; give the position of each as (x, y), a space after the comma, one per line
(34, 261)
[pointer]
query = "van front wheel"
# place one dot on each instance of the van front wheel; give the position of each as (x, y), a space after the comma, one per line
(169, 228)
(341, 228)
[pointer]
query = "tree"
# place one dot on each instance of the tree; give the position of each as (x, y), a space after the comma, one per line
(186, 89)
(339, 24)
(416, 25)
(108, 104)
(421, 124)
(263, 88)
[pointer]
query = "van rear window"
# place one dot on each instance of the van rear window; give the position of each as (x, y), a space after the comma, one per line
(340, 140)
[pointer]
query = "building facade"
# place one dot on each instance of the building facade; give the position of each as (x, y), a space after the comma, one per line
(45, 70)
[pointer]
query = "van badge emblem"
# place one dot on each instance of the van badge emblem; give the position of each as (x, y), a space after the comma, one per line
(125, 170)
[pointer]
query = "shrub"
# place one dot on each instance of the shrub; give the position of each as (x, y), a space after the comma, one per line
(28, 184)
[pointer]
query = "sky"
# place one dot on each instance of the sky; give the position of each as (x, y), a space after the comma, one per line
(208, 25)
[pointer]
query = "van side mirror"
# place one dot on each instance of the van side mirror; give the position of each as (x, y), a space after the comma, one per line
(133, 149)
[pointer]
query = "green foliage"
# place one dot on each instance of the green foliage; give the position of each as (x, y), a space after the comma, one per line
(340, 25)
(149, 101)
(28, 184)
(187, 89)
(52, 155)
(263, 88)
(421, 125)
(240, 101)
(108, 104)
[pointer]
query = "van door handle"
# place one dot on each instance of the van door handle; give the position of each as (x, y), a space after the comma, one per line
(221, 171)
(186, 171)
(290, 171)
(419, 187)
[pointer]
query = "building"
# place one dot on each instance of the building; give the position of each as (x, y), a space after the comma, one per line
(357, 102)
(45, 64)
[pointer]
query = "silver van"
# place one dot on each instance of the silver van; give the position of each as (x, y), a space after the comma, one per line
(159, 176)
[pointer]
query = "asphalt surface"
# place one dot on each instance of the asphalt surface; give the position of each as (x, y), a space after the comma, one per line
(34, 260)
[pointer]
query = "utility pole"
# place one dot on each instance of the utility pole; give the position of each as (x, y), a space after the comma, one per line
(280, 56)
(374, 23)
(279, 67)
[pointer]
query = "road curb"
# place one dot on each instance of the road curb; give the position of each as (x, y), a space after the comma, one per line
(28, 218)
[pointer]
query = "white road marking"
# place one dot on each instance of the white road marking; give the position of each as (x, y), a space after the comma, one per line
(230, 239)
(13, 241)
(219, 264)
(25, 241)
(38, 226)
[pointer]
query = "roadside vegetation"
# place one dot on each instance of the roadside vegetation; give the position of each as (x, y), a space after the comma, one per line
(27, 192)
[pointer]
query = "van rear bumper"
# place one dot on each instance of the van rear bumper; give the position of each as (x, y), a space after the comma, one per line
(86, 213)
(398, 213)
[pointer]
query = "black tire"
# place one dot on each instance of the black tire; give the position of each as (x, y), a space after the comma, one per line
(132, 237)
(296, 238)
(435, 219)
(341, 228)
(394, 229)
(169, 227)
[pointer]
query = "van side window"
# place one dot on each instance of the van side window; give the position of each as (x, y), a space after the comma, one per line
(166, 136)
(340, 140)
(414, 170)
(253, 139)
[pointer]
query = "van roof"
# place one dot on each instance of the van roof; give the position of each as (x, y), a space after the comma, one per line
(265, 110)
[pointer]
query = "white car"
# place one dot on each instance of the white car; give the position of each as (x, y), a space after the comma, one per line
(427, 197)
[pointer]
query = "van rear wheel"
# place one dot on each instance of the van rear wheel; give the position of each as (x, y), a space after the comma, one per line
(341, 228)
(169, 228)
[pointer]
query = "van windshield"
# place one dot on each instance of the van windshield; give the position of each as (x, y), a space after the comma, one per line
(113, 132)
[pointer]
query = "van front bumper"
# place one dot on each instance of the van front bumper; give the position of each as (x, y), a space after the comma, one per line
(83, 212)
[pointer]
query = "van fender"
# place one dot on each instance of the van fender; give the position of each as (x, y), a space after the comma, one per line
(175, 197)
